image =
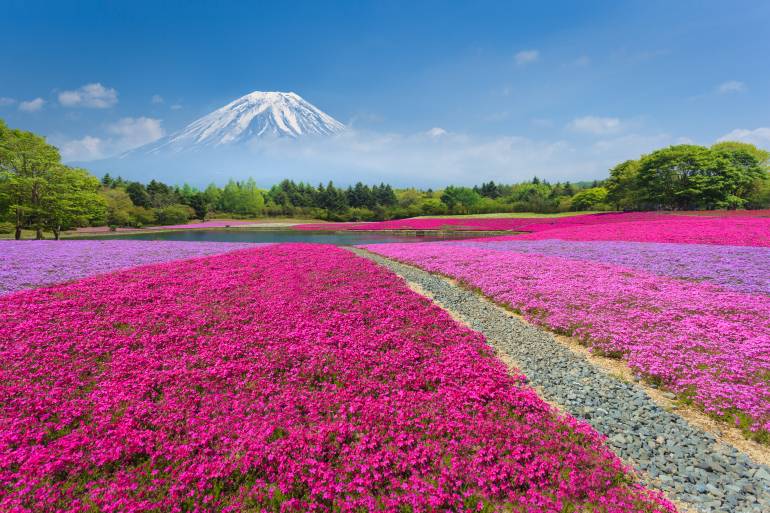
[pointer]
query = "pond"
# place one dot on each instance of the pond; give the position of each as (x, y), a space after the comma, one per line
(336, 238)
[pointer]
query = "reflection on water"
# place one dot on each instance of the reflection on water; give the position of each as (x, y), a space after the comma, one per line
(336, 238)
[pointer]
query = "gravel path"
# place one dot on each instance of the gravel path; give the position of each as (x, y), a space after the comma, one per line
(683, 461)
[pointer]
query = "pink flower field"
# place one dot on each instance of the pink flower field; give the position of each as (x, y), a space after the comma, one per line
(36, 263)
(709, 344)
(522, 224)
(289, 377)
(733, 231)
(744, 229)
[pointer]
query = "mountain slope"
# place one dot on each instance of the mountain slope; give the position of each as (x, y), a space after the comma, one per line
(255, 115)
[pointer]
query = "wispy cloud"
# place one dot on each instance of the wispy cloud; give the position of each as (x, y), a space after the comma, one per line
(156, 99)
(758, 136)
(32, 105)
(595, 125)
(5, 101)
(526, 57)
(731, 86)
(176, 106)
(85, 149)
(94, 96)
(133, 132)
(436, 132)
(122, 135)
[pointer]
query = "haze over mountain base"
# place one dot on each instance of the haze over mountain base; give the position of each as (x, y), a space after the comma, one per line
(417, 160)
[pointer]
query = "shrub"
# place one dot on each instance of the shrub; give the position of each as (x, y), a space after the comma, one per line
(174, 214)
(6, 228)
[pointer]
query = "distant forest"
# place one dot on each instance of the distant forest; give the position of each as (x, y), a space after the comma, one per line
(38, 192)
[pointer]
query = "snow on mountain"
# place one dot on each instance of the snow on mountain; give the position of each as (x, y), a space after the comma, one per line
(255, 115)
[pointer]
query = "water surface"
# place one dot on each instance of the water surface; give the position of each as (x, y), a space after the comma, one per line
(336, 238)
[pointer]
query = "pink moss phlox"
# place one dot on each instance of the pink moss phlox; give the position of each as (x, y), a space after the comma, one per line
(710, 344)
(289, 377)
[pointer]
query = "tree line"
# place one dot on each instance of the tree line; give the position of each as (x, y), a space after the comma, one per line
(727, 175)
(39, 193)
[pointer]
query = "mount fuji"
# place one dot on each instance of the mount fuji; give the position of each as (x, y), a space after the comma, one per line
(253, 116)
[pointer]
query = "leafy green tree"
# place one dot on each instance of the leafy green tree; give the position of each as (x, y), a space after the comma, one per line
(242, 198)
(689, 176)
(119, 206)
(589, 199)
(26, 160)
(138, 194)
(622, 187)
(460, 199)
(71, 198)
(762, 156)
(174, 214)
(199, 204)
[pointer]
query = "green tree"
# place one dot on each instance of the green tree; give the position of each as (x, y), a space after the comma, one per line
(26, 161)
(622, 190)
(138, 194)
(460, 199)
(119, 206)
(71, 198)
(689, 176)
(589, 199)
(174, 214)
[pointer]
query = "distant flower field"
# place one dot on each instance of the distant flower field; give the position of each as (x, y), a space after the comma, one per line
(747, 229)
(734, 231)
(282, 378)
(29, 264)
(741, 268)
(707, 341)
(523, 224)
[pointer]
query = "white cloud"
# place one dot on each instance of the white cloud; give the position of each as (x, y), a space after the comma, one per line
(156, 99)
(123, 135)
(4, 101)
(87, 148)
(133, 132)
(527, 56)
(32, 105)
(176, 106)
(758, 137)
(94, 96)
(731, 86)
(595, 125)
(436, 132)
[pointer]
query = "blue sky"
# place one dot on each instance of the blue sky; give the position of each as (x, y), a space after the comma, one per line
(551, 88)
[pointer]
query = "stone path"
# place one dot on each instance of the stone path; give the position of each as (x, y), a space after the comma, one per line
(686, 463)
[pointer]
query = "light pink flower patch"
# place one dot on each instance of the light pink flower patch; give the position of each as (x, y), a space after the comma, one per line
(284, 378)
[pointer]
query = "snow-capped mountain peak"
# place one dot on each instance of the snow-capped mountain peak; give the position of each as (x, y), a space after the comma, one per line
(255, 115)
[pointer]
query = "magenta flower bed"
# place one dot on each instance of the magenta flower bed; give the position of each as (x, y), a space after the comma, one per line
(703, 342)
(492, 224)
(291, 378)
(742, 268)
(28, 264)
(737, 231)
